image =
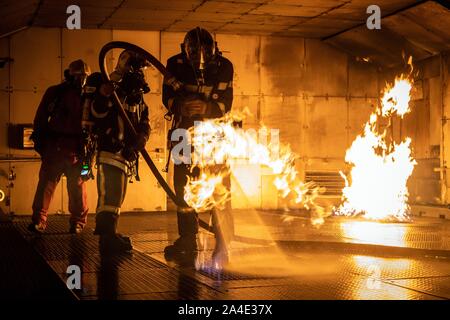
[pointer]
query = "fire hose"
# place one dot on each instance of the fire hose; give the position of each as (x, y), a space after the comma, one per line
(129, 125)
(169, 80)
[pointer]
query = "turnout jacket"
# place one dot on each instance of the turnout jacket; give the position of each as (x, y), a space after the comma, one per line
(57, 123)
(217, 89)
(115, 144)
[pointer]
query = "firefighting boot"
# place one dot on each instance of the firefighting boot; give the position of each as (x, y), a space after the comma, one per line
(110, 242)
(37, 228)
(105, 223)
(76, 228)
(184, 249)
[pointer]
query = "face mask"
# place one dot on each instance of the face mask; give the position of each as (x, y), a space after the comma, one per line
(199, 57)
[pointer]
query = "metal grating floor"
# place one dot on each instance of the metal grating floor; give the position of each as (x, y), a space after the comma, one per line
(24, 273)
(308, 263)
(437, 286)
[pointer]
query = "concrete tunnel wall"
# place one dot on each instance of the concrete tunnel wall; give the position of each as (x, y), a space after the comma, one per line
(317, 96)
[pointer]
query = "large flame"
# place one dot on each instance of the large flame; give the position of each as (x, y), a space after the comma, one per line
(219, 144)
(376, 185)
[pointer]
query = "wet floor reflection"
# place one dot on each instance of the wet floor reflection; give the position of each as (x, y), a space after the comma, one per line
(374, 271)
(188, 289)
(108, 278)
(373, 232)
(77, 257)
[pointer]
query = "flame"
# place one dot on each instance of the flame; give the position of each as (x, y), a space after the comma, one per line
(396, 99)
(206, 192)
(219, 144)
(376, 185)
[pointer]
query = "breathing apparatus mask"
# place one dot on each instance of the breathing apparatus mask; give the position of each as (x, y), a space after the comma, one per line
(200, 48)
(130, 77)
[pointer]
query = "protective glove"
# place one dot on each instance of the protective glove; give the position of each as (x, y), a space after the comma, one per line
(195, 107)
(140, 142)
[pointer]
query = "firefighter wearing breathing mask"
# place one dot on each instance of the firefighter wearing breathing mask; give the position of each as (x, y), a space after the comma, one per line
(207, 92)
(57, 137)
(117, 148)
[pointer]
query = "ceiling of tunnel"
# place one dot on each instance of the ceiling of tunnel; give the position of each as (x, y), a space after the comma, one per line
(420, 31)
(415, 27)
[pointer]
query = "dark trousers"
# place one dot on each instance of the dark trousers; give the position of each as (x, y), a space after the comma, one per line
(222, 220)
(111, 188)
(53, 166)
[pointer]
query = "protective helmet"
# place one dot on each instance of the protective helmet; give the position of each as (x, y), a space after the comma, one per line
(199, 47)
(78, 72)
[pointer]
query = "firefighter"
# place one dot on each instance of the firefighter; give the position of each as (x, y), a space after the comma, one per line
(207, 92)
(57, 138)
(117, 148)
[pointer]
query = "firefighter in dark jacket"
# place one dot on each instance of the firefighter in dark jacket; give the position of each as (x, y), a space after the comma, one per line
(57, 138)
(117, 149)
(207, 92)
